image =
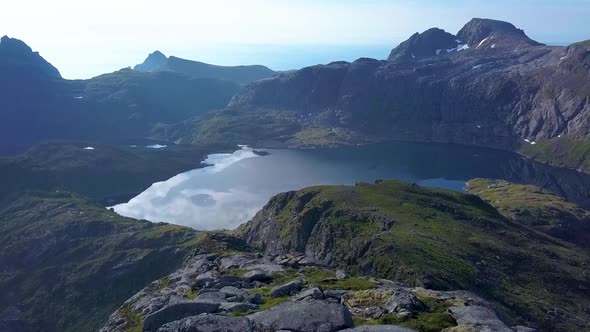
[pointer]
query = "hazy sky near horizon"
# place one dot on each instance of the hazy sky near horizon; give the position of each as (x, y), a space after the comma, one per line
(86, 38)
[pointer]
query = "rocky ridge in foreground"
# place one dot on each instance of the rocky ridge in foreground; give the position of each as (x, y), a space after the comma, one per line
(387, 253)
(249, 292)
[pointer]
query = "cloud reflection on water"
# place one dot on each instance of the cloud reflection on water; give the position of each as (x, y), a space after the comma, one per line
(179, 200)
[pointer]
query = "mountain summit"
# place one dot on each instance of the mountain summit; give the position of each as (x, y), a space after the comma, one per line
(478, 29)
(17, 60)
(474, 34)
(157, 61)
(431, 42)
(153, 62)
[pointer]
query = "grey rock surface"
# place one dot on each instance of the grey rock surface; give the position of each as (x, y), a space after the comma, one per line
(208, 323)
(379, 328)
(403, 300)
(308, 316)
(175, 312)
(480, 319)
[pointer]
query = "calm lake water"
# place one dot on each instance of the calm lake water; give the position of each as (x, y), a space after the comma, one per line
(237, 185)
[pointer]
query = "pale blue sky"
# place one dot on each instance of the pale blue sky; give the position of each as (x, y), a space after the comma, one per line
(86, 38)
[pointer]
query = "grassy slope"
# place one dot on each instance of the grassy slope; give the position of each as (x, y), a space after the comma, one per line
(536, 207)
(109, 108)
(117, 172)
(440, 239)
(259, 127)
(562, 152)
(68, 263)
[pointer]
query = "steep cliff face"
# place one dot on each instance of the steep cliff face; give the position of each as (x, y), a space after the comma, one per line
(490, 85)
(431, 238)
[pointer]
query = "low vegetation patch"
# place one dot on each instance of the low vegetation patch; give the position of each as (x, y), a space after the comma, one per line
(133, 318)
(561, 151)
(434, 320)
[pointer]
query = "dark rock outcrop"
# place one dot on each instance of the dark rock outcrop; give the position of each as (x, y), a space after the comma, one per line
(429, 43)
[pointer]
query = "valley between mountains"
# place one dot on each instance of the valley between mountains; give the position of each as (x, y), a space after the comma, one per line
(371, 256)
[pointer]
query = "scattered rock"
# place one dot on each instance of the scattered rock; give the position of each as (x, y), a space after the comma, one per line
(308, 316)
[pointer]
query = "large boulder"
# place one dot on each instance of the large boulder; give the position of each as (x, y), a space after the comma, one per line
(379, 328)
(314, 293)
(478, 319)
(177, 311)
(214, 297)
(208, 323)
(204, 279)
(258, 275)
(308, 316)
(237, 306)
(404, 300)
(287, 289)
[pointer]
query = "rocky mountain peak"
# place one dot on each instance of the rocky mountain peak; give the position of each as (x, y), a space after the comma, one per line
(17, 58)
(479, 29)
(154, 61)
(13, 46)
(419, 45)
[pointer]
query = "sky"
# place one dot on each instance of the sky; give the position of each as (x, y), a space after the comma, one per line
(85, 38)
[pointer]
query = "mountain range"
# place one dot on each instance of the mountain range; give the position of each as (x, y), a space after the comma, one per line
(488, 85)
(37, 104)
(382, 256)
